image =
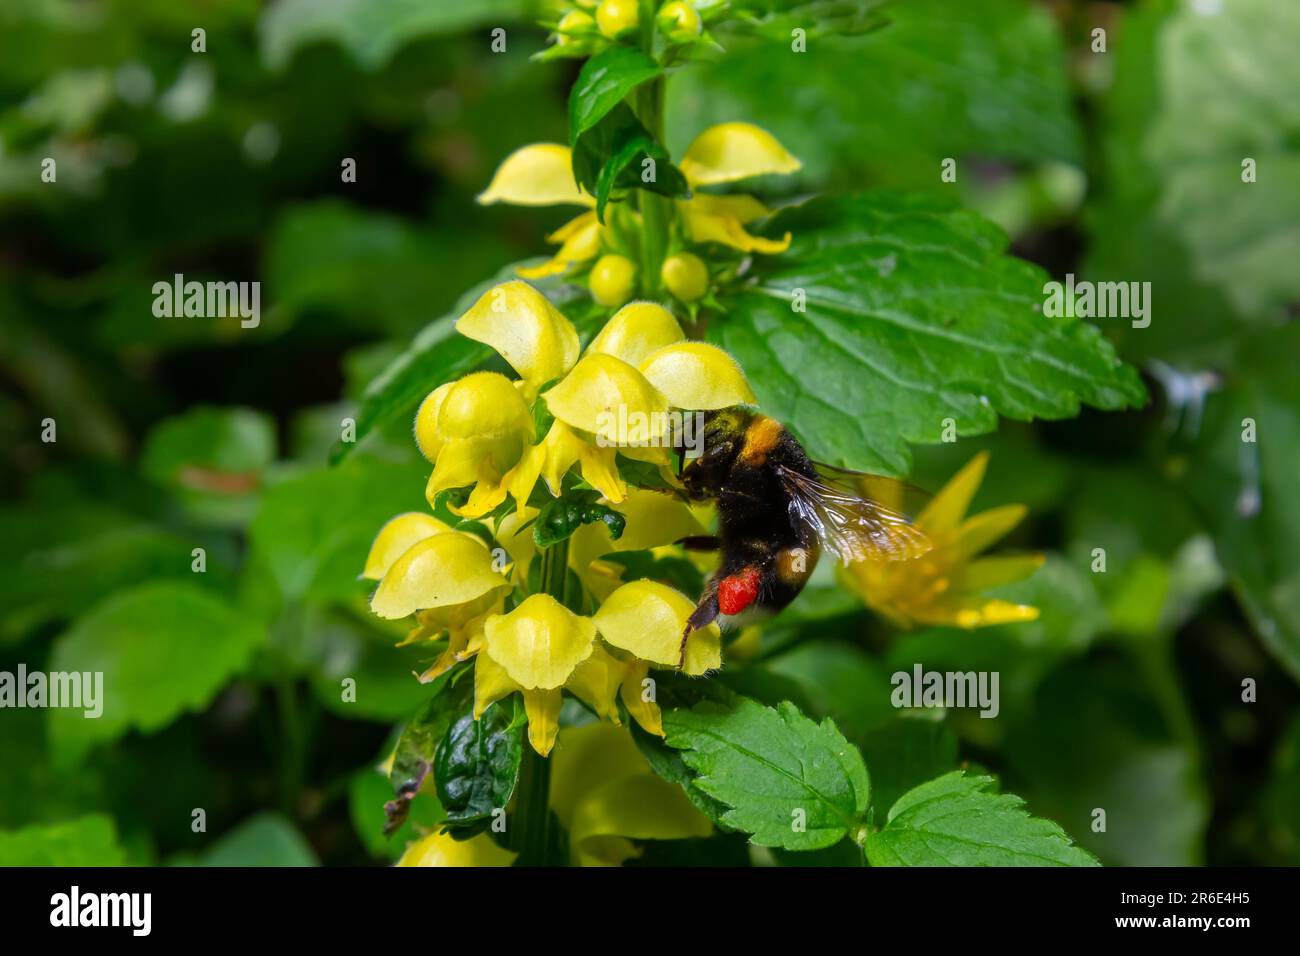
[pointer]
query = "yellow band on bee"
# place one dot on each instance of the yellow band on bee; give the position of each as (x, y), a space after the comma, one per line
(760, 438)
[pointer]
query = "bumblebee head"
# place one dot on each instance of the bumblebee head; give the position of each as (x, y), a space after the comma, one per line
(704, 467)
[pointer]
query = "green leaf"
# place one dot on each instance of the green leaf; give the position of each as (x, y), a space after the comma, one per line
(371, 30)
(1246, 490)
(905, 751)
(213, 458)
(1228, 83)
(775, 19)
(954, 821)
(1096, 737)
(789, 781)
(314, 531)
(417, 746)
(611, 155)
(266, 840)
(87, 841)
(162, 648)
(914, 315)
(476, 766)
(602, 84)
(945, 78)
(561, 517)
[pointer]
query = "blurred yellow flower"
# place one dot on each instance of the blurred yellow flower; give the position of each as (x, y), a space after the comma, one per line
(541, 175)
(605, 796)
(944, 585)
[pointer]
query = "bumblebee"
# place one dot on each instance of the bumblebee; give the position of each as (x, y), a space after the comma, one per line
(777, 511)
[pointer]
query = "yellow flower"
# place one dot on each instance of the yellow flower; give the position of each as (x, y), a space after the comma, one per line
(942, 586)
(541, 175)
(541, 648)
(451, 582)
(479, 430)
(605, 796)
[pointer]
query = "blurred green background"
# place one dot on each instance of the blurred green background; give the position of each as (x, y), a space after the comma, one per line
(183, 433)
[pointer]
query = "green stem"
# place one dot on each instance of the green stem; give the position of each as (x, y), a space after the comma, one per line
(533, 804)
(656, 210)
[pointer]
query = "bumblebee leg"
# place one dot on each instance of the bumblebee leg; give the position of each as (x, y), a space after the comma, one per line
(699, 542)
(702, 616)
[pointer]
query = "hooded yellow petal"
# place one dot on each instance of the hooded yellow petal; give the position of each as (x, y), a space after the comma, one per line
(543, 710)
(732, 151)
(450, 568)
(441, 849)
(396, 537)
(697, 376)
(427, 437)
(635, 331)
(540, 642)
(706, 222)
(609, 398)
(648, 618)
(537, 175)
(947, 509)
(525, 329)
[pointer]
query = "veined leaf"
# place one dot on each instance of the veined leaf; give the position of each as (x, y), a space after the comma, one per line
(603, 83)
(477, 764)
(954, 821)
(912, 316)
(162, 649)
(789, 782)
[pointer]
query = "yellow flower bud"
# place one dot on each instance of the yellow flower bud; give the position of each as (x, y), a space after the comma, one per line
(616, 17)
(573, 22)
(635, 331)
(446, 569)
(483, 405)
(427, 438)
(686, 276)
(697, 376)
(540, 642)
(679, 20)
(612, 279)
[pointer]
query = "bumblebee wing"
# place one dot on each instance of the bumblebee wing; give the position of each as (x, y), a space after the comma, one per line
(854, 527)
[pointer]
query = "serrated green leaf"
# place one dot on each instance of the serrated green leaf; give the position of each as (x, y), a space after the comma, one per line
(162, 648)
(914, 315)
(477, 764)
(789, 782)
(954, 821)
(87, 841)
(604, 81)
